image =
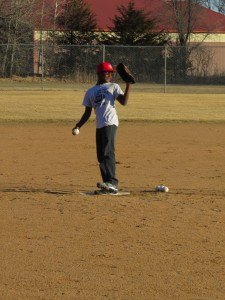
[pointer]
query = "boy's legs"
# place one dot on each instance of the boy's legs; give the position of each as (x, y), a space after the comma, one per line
(105, 145)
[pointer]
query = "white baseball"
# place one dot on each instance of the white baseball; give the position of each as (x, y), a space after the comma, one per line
(165, 189)
(162, 188)
(76, 131)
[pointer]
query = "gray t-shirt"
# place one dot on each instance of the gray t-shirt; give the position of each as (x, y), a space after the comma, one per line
(102, 98)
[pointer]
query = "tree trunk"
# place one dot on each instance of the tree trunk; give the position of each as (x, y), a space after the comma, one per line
(4, 62)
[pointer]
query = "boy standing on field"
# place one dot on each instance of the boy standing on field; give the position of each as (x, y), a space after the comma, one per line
(102, 98)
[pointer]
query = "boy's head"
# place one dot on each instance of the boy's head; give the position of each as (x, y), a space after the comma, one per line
(104, 71)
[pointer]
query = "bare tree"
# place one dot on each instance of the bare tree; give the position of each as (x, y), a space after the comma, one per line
(15, 28)
(216, 5)
(56, 13)
(207, 3)
(220, 6)
(183, 16)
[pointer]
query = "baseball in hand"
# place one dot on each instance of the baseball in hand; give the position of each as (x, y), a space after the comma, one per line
(76, 131)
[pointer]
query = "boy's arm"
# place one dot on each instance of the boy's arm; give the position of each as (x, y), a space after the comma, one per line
(123, 99)
(84, 118)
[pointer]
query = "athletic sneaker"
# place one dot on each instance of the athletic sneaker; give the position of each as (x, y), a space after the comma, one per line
(106, 186)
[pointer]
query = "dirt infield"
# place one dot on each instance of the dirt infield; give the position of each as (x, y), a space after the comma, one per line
(58, 244)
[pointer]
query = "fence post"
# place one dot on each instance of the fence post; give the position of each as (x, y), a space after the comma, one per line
(103, 53)
(41, 41)
(42, 66)
(165, 68)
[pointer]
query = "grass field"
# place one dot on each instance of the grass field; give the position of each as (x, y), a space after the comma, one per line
(66, 106)
(49, 84)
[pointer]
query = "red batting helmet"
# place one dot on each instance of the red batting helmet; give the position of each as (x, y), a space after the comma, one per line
(105, 67)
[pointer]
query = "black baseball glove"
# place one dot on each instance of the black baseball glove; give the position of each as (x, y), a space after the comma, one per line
(125, 73)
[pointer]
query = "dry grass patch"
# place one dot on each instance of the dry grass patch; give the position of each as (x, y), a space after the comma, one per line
(66, 106)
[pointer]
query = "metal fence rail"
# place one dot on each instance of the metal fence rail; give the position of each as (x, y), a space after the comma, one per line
(43, 66)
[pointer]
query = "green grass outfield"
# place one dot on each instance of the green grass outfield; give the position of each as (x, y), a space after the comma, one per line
(65, 106)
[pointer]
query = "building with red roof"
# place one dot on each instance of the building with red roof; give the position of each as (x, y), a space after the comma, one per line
(208, 20)
(209, 25)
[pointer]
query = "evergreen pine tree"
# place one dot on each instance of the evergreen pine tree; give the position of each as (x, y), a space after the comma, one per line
(133, 27)
(77, 22)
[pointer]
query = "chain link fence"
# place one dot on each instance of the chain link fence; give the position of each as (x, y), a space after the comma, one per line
(157, 69)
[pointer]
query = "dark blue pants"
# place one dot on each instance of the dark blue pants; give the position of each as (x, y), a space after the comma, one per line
(105, 146)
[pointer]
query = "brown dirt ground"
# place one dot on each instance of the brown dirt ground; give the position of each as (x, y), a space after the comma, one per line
(58, 244)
